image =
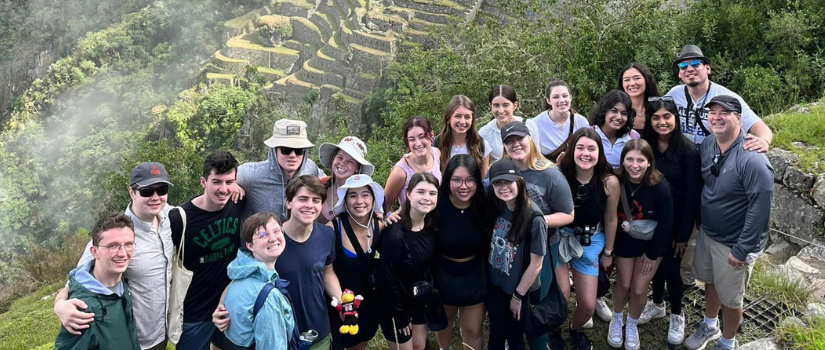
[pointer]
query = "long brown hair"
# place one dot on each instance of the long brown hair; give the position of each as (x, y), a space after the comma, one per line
(652, 176)
(445, 138)
(567, 165)
(522, 222)
(430, 219)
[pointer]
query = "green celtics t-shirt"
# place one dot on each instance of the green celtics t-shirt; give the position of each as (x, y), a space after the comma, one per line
(212, 241)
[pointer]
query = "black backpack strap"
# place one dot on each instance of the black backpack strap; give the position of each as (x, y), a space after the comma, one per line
(697, 120)
(176, 224)
(353, 240)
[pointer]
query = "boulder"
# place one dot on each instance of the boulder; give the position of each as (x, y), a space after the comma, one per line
(818, 192)
(814, 251)
(801, 266)
(796, 180)
(761, 344)
(781, 250)
(815, 310)
(795, 216)
(780, 160)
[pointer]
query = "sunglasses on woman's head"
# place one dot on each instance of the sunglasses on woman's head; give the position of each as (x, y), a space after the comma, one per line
(694, 64)
(660, 98)
(285, 151)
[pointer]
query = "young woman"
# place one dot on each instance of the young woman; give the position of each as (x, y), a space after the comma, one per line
(345, 159)
(638, 82)
(678, 159)
(356, 225)
(613, 121)
(518, 228)
(460, 270)
(595, 197)
(648, 198)
(548, 189)
(406, 252)
(422, 157)
(551, 128)
(503, 103)
(459, 136)
(272, 327)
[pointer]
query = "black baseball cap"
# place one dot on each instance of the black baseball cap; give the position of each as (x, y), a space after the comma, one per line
(514, 128)
(148, 173)
(504, 169)
(728, 102)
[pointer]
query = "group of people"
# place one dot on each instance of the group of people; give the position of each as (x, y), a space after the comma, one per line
(278, 255)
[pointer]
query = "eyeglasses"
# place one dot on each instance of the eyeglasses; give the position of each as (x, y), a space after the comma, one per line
(114, 247)
(469, 182)
(161, 190)
(285, 151)
(580, 193)
(264, 233)
(660, 98)
(694, 64)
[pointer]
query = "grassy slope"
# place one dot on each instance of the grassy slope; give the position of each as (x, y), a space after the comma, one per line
(30, 323)
(808, 128)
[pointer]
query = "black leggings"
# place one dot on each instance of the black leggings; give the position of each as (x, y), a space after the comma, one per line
(670, 271)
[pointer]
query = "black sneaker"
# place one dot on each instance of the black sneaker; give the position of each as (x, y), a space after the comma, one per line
(554, 340)
(579, 340)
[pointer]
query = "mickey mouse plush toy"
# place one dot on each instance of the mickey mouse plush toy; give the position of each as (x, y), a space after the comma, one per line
(348, 308)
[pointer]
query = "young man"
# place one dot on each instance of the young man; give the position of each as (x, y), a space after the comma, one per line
(736, 208)
(212, 231)
(692, 97)
(99, 285)
(264, 182)
(306, 261)
(150, 271)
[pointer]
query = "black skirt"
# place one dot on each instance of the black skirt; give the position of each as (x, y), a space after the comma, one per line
(461, 283)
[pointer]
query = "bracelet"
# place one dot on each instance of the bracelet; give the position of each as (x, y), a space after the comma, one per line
(607, 253)
(518, 296)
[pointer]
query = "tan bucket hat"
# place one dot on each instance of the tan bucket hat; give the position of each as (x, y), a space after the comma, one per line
(289, 133)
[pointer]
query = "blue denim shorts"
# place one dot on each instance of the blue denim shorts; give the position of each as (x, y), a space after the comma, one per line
(588, 263)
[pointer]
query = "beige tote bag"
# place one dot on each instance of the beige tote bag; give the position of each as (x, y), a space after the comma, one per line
(181, 278)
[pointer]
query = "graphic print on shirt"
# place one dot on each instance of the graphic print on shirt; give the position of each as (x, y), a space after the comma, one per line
(635, 211)
(218, 239)
(502, 251)
(689, 124)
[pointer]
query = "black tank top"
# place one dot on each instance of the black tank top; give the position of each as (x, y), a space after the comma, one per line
(352, 271)
(589, 200)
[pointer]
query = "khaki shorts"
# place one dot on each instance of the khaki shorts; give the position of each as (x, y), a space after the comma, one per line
(710, 265)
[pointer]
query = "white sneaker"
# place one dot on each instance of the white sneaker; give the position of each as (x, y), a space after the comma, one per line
(602, 311)
(652, 312)
(588, 324)
(631, 336)
(614, 332)
(676, 331)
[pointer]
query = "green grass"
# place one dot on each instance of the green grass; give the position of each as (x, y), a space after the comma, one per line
(809, 128)
(779, 287)
(797, 337)
(29, 322)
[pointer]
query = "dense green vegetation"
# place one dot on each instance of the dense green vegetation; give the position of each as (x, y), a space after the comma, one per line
(805, 127)
(769, 51)
(803, 337)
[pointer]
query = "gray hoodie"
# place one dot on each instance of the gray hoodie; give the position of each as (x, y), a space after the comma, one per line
(264, 184)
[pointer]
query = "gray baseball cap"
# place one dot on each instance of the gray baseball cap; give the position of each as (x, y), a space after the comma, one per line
(148, 173)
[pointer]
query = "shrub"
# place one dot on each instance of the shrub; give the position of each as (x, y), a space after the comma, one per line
(795, 336)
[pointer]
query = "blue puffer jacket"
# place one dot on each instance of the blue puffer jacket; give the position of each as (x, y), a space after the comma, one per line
(272, 328)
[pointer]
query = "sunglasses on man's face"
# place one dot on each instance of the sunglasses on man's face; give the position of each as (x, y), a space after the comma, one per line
(161, 190)
(285, 151)
(694, 64)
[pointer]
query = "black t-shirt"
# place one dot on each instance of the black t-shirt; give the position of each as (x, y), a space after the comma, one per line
(212, 241)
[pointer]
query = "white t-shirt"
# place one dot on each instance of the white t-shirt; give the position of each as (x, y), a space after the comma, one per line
(548, 135)
(463, 149)
(689, 126)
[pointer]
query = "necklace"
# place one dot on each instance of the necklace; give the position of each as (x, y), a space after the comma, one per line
(633, 191)
(415, 167)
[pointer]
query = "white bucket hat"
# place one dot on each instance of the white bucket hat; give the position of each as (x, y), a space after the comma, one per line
(358, 181)
(289, 133)
(356, 149)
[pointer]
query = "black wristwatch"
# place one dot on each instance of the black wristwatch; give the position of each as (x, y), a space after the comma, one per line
(518, 296)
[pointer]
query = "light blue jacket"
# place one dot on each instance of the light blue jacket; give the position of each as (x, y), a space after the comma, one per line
(273, 325)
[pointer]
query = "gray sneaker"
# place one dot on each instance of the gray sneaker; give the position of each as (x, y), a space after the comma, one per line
(719, 346)
(703, 335)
